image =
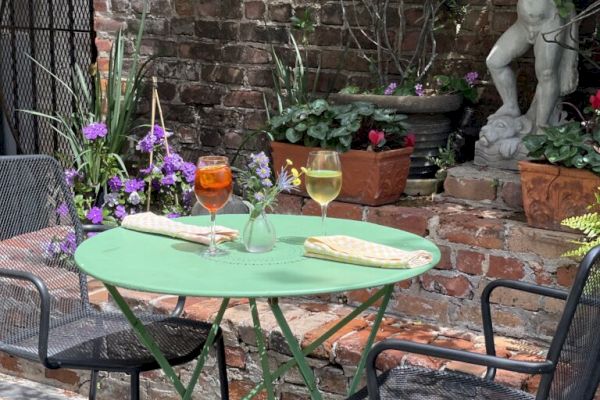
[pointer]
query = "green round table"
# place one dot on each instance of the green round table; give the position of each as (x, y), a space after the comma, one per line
(158, 264)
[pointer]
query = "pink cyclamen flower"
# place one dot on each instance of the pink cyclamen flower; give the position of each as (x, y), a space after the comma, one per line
(375, 137)
(410, 140)
(390, 89)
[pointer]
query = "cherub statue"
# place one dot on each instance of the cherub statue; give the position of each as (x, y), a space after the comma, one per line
(556, 72)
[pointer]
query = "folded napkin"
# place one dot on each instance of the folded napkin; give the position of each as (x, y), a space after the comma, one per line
(152, 223)
(356, 251)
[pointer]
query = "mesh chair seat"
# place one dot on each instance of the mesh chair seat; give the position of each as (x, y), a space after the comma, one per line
(411, 383)
(108, 340)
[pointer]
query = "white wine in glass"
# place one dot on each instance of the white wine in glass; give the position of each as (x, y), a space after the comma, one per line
(323, 179)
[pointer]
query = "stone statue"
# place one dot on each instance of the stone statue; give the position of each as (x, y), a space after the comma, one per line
(556, 71)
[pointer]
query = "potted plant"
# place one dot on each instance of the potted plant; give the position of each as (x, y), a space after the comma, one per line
(561, 182)
(373, 141)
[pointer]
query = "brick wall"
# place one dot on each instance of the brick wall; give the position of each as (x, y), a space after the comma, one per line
(213, 64)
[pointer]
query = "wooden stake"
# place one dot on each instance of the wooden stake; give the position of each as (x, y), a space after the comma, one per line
(153, 118)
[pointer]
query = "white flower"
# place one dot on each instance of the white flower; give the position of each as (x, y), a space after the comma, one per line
(134, 198)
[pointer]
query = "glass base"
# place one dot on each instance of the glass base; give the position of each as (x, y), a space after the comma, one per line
(214, 252)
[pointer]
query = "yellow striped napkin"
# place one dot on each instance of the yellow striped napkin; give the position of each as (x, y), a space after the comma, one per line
(152, 223)
(356, 251)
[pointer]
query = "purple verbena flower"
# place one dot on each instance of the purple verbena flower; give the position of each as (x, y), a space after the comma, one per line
(115, 183)
(134, 185)
(168, 180)
(95, 130)
(70, 176)
(390, 89)
(69, 244)
(120, 212)
(62, 210)
(112, 199)
(148, 170)
(172, 163)
(159, 133)
(173, 215)
(188, 197)
(146, 144)
(189, 172)
(94, 215)
(472, 78)
(419, 90)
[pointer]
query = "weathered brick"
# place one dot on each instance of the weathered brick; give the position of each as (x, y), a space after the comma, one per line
(419, 306)
(545, 243)
(446, 258)
(63, 375)
(470, 262)
(223, 74)
(455, 286)
(280, 12)
(235, 357)
(202, 94)
(503, 20)
(506, 268)
(470, 189)
(472, 230)
(288, 204)
(184, 8)
(254, 10)
(411, 219)
(243, 99)
(565, 274)
(515, 298)
(512, 195)
(332, 380)
(245, 55)
(238, 389)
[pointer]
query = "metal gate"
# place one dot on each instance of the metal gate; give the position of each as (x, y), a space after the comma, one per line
(56, 33)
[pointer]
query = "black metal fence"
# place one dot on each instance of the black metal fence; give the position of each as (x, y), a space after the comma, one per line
(56, 33)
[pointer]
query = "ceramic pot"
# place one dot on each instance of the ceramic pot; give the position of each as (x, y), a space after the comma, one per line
(552, 193)
(371, 178)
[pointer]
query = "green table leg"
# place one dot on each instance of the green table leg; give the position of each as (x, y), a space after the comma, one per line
(305, 370)
(319, 341)
(363, 358)
(207, 346)
(148, 341)
(262, 350)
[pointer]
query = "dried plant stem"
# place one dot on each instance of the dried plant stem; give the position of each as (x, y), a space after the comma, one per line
(153, 120)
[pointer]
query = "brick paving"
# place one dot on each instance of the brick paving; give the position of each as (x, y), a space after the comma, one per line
(13, 388)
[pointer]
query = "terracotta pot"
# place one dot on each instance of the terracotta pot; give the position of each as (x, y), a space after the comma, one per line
(552, 193)
(371, 178)
(426, 117)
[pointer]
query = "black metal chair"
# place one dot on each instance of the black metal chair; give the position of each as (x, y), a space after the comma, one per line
(571, 370)
(45, 312)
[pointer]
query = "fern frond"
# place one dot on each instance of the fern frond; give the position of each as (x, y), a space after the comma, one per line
(583, 248)
(588, 223)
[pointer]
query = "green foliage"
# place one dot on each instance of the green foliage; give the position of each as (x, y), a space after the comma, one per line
(452, 84)
(565, 7)
(339, 127)
(304, 23)
(446, 157)
(562, 145)
(589, 224)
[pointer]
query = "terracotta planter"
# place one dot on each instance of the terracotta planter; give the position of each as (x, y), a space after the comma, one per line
(551, 193)
(371, 178)
(426, 117)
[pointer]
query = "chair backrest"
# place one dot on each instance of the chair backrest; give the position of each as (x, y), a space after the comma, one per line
(39, 231)
(575, 349)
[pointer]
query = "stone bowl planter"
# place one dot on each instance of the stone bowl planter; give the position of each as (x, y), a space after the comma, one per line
(552, 193)
(426, 118)
(371, 178)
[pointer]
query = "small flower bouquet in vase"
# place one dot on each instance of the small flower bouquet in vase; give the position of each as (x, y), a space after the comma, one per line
(260, 193)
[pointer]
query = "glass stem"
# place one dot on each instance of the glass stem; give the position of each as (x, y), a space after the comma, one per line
(213, 240)
(323, 217)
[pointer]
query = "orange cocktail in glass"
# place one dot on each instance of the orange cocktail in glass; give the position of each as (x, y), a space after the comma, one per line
(213, 185)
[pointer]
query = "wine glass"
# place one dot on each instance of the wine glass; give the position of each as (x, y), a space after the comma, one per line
(323, 179)
(213, 186)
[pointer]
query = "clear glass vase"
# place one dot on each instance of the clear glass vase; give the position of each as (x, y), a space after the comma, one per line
(259, 234)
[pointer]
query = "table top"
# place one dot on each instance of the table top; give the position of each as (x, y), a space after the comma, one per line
(159, 264)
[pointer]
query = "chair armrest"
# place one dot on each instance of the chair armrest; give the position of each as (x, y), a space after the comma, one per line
(96, 228)
(44, 307)
(489, 361)
(486, 314)
(178, 307)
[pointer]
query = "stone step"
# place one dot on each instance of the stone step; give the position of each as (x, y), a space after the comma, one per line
(13, 388)
(483, 187)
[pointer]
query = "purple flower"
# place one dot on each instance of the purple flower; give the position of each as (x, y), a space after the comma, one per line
(133, 185)
(189, 172)
(120, 212)
(147, 171)
(168, 180)
(94, 215)
(419, 90)
(70, 176)
(188, 197)
(172, 163)
(390, 89)
(285, 181)
(69, 244)
(91, 234)
(472, 78)
(173, 215)
(146, 145)
(263, 172)
(112, 199)
(155, 184)
(266, 183)
(62, 210)
(158, 132)
(95, 130)
(259, 196)
(259, 160)
(134, 198)
(115, 183)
